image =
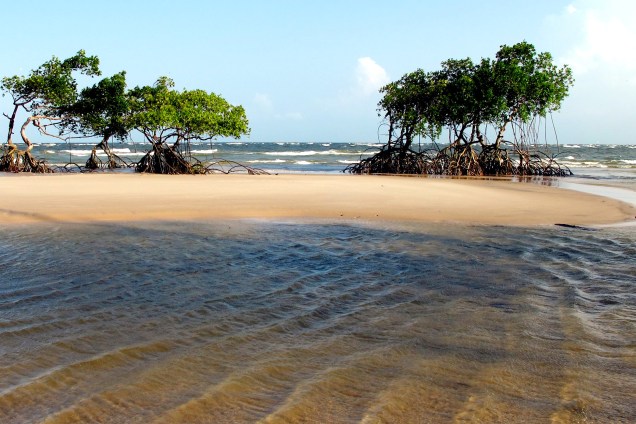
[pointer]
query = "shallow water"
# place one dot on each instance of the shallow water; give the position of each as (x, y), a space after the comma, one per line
(274, 322)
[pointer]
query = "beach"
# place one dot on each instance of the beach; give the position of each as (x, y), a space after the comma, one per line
(133, 197)
(313, 298)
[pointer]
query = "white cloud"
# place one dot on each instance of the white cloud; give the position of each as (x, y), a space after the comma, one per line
(370, 76)
(608, 38)
(596, 38)
(263, 101)
(289, 116)
(266, 105)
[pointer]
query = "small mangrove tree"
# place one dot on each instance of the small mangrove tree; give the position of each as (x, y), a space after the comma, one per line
(102, 111)
(45, 95)
(169, 120)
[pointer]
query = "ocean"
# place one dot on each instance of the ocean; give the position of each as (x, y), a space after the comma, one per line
(293, 321)
(586, 160)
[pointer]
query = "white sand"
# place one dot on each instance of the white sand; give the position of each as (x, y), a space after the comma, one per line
(125, 197)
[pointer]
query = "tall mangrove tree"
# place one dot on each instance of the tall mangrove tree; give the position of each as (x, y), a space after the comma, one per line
(490, 110)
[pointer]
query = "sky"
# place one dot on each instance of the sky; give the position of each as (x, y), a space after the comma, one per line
(310, 71)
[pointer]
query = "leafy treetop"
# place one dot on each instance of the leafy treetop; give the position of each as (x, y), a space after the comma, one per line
(467, 98)
(162, 114)
(47, 90)
(52, 84)
(101, 110)
(518, 85)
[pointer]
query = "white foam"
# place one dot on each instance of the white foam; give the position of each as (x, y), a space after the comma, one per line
(77, 152)
(134, 154)
(290, 153)
(331, 152)
(267, 161)
(583, 164)
(205, 152)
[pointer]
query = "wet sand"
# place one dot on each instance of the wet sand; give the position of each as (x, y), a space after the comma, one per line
(109, 315)
(134, 197)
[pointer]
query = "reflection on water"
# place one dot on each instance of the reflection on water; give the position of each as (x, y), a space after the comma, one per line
(280, 323)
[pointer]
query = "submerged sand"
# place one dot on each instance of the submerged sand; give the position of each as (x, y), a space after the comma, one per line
(132, 197)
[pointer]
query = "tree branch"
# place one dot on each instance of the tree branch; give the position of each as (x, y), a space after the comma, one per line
(36, 122)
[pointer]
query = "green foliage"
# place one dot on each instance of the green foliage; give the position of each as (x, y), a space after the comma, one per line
(51, 85)
(152, 110)
(49, 95)
(101, 109)
(529, 82)
(512, 90)
(162, 113)
(209, 115)
(43, 94)
(408, 101)
(165, 115)
(517, 86)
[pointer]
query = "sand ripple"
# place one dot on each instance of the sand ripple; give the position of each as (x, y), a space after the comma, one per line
(278, 323)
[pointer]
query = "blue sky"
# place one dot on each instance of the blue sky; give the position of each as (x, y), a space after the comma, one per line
(310, 71)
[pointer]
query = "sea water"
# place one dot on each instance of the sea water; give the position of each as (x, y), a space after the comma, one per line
(597, 161)
(316, 322)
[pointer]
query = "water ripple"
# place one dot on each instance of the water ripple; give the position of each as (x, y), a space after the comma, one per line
(279, 322)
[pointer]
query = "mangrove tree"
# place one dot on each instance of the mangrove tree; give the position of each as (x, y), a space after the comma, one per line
(490, 111)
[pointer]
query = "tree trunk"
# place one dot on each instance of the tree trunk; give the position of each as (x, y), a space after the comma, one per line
(12, 124)
(502, 129)
(36, 123)
(500, 133)
(23, 132)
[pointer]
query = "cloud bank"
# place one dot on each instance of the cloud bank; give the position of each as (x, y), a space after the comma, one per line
(608, 38)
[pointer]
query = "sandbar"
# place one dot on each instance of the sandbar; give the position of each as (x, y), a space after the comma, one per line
(107, 197)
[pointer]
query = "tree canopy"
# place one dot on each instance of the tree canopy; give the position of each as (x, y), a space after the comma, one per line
(43, 95)
(101, 110)
(167, 118)
(508, 93)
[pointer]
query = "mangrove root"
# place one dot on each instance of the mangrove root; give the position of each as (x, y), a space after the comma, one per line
(165, 159)
(459, 159)
(16, 160)
(113, 161)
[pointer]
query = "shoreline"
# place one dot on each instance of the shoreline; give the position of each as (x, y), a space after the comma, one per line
(141, 197)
